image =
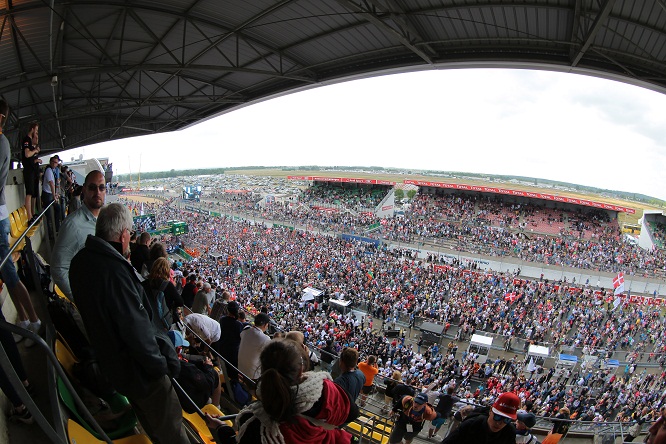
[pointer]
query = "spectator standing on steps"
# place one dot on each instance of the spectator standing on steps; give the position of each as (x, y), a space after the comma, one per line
(19, 294)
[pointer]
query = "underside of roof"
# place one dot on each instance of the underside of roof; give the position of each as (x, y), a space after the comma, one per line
(91, 71)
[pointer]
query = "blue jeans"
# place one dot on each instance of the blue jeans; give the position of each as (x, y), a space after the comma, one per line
(47, 198)
(8, 271)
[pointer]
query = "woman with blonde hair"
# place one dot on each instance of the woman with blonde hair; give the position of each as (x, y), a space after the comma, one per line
(164, 298)
(390, 384)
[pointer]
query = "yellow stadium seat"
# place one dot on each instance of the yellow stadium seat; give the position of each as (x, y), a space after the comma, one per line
(79, 435)
(14, 230)
(199, 425)
(22, 221)
(65, 357)
(59, 292)
(368, 432)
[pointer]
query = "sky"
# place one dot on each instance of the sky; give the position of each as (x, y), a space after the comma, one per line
(558, 126)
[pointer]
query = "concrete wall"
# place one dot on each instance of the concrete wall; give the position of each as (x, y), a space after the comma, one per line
(15, 196)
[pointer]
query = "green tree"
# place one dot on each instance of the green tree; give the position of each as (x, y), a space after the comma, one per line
(411, 194)
(399, 193)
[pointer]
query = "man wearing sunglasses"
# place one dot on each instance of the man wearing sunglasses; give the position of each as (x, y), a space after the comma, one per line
(493, 428)
(76, 228)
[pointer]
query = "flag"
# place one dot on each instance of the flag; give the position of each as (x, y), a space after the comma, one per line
(618, 283)
(511, 297)
(141, 208)
(616, 303)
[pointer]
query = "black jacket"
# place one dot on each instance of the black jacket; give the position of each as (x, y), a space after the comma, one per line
(117, 316)
(140, 255)
(474, 429)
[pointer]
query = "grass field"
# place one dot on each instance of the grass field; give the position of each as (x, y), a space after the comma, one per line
(622, 217)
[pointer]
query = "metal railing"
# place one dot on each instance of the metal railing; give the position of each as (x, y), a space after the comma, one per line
(54, 430)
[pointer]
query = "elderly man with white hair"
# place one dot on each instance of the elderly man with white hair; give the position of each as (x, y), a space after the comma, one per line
(137, 358)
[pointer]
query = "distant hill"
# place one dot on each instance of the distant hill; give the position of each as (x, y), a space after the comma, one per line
(436, 175)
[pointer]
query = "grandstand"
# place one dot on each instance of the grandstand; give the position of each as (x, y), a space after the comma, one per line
(653, 234)
(192, 61)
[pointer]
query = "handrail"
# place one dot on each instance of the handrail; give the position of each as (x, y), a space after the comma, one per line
(55, 433)
(364, 425)
(246, 378)
(24, 234)
(27, 400)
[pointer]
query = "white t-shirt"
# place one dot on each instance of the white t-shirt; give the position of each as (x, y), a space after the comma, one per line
(48, 177)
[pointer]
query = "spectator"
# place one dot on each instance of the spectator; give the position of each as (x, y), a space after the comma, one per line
(75, 201)
(113, 307)
(299, 337)
(26, 314)
(49, 194)
(157, 250)
(351, 378)
(370, 370)
(75, 229)
(390, 384)
(328, 355)
(141, 253)
(444, 408)
(189, 290)
(164, 307)
(412, 413)
(561, 421)
(31, 161)
(200, 304)
(204, 327)
(220, 306)
(228, 345)
(252, 342)
(293, 402)
(493, 427)
(524, 423)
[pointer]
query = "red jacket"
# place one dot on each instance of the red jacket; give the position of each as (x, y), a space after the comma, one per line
(334, 410)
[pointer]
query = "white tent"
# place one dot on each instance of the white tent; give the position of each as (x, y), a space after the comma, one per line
(539, 353)
(310, 293)
(480, 344)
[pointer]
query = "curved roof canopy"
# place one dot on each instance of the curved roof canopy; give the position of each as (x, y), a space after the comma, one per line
(92, 70)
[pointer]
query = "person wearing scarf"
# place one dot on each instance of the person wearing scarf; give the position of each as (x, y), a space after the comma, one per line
(295, 406)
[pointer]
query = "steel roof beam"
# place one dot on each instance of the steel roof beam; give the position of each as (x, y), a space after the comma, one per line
(598, 23)
(380, 24)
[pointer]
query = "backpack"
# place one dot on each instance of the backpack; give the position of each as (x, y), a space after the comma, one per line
(198, 385)
(42, 268)
(68, 323)
(160, 303)
(220, 309)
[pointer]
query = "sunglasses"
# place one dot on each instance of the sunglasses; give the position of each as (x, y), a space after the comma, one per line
(92, 186)
(500, 418)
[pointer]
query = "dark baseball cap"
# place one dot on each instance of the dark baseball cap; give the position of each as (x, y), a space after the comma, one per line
(421, 398)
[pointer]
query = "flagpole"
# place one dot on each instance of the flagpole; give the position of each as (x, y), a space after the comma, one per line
(129, 163)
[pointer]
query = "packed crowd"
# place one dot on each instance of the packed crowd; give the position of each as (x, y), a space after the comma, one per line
(350, 197)
(269, 267)
(479, 224)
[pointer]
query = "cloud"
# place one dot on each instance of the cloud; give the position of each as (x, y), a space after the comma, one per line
(534, 123)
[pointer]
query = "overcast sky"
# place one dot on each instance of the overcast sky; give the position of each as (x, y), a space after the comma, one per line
(549, 125)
